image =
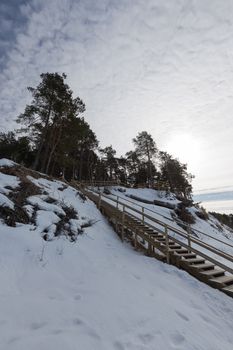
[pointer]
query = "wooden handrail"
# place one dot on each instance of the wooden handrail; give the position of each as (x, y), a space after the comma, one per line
(160, 222)
(167, 218)
(183, 234)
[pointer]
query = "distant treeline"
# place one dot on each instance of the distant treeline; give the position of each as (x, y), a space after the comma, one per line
(55, 139)
(224, 218)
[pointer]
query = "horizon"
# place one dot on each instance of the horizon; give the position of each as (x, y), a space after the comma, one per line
(164, 67)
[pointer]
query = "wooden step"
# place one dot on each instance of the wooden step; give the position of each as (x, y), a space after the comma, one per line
(175, 247)
(203, 267)
(221, 281)
(181, 251)
(187, 255)
(159, 237)
(154, 234)
(228, 290)
(193, 260)
(212, 273)
(150, 231)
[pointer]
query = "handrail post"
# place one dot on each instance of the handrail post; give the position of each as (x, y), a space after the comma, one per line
(135, 239)
(99, 201)
(143, 218)
(117, 204)
(189, 237)
(123, 222)
(167, 244)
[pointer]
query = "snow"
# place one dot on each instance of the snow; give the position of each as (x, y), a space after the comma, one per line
(5, 202)
(8, 181)
(45, 220)
(6, 162)
(147, 194)
(38, 201)
(98, 293)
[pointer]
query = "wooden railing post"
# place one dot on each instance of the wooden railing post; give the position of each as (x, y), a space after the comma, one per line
(167, 244)
(117, 204)
(123, 223)
(143, 217)
(99, 201)
(189, 238)
(135, 239)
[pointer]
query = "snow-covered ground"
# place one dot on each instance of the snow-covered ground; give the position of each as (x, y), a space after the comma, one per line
(97, 293)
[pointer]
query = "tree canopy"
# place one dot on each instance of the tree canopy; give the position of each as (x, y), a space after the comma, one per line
(57, 140)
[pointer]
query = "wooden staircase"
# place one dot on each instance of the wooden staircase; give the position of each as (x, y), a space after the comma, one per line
(158, 243)
(184, 258)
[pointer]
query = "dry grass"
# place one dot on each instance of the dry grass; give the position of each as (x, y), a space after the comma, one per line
(18, 196)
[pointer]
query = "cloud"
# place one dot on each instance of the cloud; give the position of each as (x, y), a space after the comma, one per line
(160, 66)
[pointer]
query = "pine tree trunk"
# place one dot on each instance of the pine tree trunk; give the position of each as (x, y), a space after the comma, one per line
(56, 142)
(81, 166)
(36, 162)
(43, 139)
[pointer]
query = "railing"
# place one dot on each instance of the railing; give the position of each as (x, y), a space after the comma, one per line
(158, 185)
(188, 227)
(99, 183)
(170, 232)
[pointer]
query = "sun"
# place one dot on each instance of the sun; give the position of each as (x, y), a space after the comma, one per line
(185, 147)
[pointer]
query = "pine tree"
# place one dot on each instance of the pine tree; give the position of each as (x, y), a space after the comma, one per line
(16, 149)
(45, 118)
(109, 159)
(145, 148)
(176, 175)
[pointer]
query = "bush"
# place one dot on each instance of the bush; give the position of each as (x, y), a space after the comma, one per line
(202, 214)
(185, 215)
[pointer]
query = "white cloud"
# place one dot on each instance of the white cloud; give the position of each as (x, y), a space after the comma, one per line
(161, 66)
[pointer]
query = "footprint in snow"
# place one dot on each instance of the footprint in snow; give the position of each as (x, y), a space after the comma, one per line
(184, 317)
(177, 339)
(146, 338)
(118, 346)
(137, 277)
(13, 340)
(37, 325)
(57, 331)
(90, 331)
(205, 318)
(78, 322)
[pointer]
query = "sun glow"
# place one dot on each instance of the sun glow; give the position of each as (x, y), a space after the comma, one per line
(186, 148)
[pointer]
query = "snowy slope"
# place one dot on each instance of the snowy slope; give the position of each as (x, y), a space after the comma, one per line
(97, 293)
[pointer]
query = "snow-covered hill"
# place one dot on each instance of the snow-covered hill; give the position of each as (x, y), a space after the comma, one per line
(90, 291)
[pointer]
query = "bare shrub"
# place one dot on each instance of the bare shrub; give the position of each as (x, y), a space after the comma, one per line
(185, 215)
(202, 214)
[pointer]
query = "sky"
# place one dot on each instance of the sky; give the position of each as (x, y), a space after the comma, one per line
(163, 66)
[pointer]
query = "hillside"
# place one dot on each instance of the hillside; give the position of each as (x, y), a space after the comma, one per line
(69, 283)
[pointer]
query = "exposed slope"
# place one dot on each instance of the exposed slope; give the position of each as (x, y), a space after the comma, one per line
(97, 293)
